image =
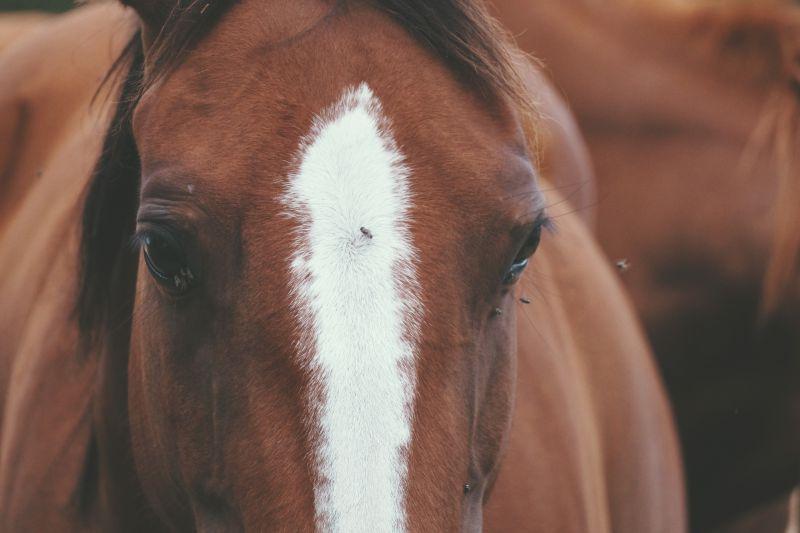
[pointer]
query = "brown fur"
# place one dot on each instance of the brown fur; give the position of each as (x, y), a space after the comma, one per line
(691, 116)
(191, 413)
(15, 25)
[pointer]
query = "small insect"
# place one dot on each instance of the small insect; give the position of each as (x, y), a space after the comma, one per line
(366, 233)
(525, 300)
(497, 311)
(623, 265)
(467, 488)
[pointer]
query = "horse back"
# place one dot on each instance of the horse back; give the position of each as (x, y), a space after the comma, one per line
(50, 134)
(15, 25)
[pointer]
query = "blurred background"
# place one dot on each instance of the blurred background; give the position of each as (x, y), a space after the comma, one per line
(55, 6)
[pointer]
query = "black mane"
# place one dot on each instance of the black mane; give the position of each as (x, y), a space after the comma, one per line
(109, 210)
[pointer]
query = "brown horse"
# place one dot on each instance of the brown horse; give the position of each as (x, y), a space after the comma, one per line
(292, 301)
(692, 118)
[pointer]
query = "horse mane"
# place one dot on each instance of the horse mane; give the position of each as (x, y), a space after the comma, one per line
(782, 117)
(109, 209)
(760, 44)
(460, 32)
(755, 43)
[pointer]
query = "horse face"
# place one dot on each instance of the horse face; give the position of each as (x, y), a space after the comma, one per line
(331, 227)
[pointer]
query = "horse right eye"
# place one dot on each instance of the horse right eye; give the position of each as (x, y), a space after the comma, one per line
(167, 263)
(524, 255)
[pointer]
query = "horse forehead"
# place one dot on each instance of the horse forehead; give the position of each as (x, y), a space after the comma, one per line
(326, 51)
(250, 153)
(252, 72)
(243, 110)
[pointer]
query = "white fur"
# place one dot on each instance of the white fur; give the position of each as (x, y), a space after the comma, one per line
(356, 297)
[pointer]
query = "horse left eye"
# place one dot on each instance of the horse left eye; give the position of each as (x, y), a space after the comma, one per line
(523, 256)
(167, 263)
(515, 272)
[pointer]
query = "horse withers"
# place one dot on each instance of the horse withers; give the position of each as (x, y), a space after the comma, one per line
(281, 284)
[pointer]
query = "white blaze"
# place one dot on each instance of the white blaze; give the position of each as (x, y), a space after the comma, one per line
(355, 293)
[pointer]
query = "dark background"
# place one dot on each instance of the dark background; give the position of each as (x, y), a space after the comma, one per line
(41, 5)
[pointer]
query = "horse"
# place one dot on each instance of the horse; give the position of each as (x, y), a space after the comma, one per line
(691, 117)
(276, 265)
(15, 25)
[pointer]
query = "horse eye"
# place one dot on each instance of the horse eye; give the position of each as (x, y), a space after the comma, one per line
(167, 263)
(523, 256)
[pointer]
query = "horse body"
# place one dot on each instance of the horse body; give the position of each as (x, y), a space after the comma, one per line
(208, 423)
(589, 417)
(691, 119)
(53, 137)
